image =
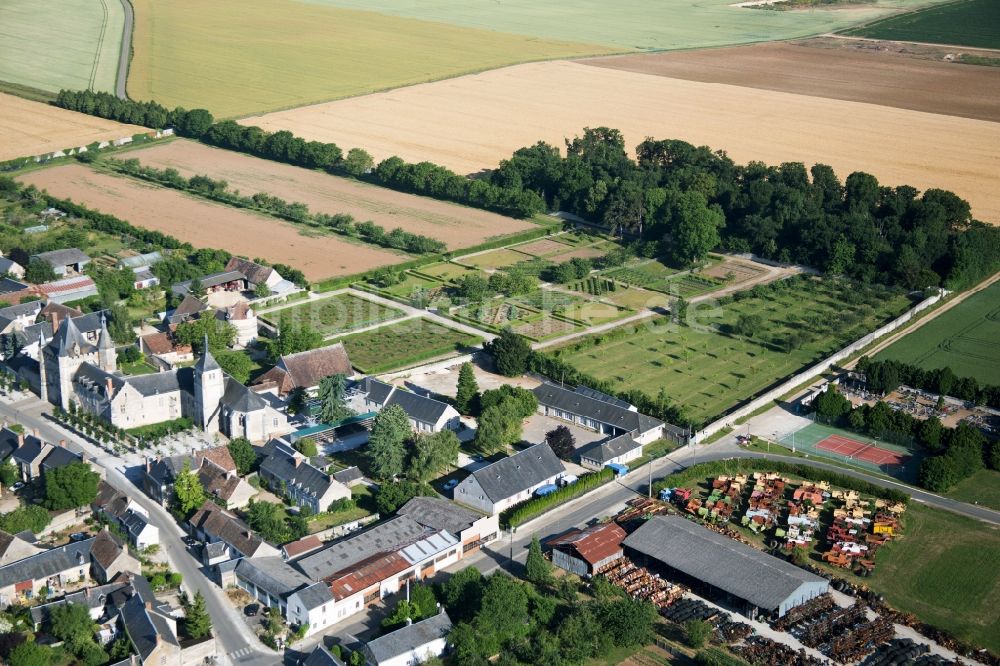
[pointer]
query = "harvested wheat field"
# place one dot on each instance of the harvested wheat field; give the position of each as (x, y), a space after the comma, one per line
(207, 224)
(834, 69)
(31, 128)
(457, 226)
(473, 122)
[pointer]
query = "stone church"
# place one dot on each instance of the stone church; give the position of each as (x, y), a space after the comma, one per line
(74, 369)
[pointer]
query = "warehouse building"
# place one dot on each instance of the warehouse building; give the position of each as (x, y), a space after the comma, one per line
(589, 551)
(719, 567)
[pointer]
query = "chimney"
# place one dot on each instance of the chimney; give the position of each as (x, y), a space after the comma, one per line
(62, 443)
(149, 606)
(149, 464)
(20, 438)
(55, 320)
(108, 386)
(35, 432)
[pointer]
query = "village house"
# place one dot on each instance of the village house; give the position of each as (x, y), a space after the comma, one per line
(160, 474)
(12, 291)
(618, 450)
(34, 456)
(11, 268)
(144, 278)
(602, 413)
(189, 308)
(224, 281)
(425, 414)
(64, 566)
(320, 656)
(415, 643)
(258, 274)
(225, 536)
(304, 546)
(115, 505)
(14, 548)
(288, 472)
(64, 262)
(509, 481)
(589, 551)
(305, 370)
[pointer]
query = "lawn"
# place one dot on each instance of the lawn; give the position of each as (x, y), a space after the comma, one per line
(946, 570)
(962, 23)
(707, 368)
(336, 314)
(54, 45)
(633, 24)
(361, 495)
(983, 487)
(239, 57)
(407, 343)
(446, 271)
(496, 259)
(966, 338)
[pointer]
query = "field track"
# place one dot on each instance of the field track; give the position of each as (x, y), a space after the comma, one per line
(207, 224)
(455, 225)
(31, 128)
(473, 122)
(877, 77)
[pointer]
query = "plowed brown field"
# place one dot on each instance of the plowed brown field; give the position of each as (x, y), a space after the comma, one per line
(455, 225)
(828, 69)
(31, 128)
(207, 224)
(472, 122)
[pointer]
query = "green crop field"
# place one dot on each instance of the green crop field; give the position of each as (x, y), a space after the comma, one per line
(707, 367)
(240, 57)
(633, 24)
(946, 570)
(966, 338)
(66, 44)
(336, 314)
(963, 23)
(407, 343)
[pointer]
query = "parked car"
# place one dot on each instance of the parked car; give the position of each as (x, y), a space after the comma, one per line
(251, 610)
(450, 484)
(79, 536)
(17, 486)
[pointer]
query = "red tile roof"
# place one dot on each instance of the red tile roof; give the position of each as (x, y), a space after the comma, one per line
(302, 546)
(595, 543)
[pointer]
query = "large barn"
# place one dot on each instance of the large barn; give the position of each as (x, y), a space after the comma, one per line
(741, 576)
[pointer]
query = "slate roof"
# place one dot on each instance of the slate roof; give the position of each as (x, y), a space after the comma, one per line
(134, 523)
(602, 411)
(47, 563)
(306, 369)
(31, 450)
(411, 637)
(315, 595)
(240, 398)
(440, 514)
(187, 308)
(215, 522)
(62, 258)
(9, 286)
(143, 625)
(67, 338)
(608, 449)
(349, 475)
(514, 474)
(21, 310)
(91, 597)
(208, 281)
(110, 500)
(723, 563)
(165, 470)
(60, 456)
(272, 574)
(417, 407)
(9, 442)
(311, 480)
(593, 544)
(384, 537)
(321, 657)
(253, 271)
(7, 264)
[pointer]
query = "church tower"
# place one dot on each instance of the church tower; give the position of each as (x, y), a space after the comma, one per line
(209, 385)
(106, 353)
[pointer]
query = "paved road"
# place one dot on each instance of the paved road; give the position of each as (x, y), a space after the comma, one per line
(126, 50)
(233, 635)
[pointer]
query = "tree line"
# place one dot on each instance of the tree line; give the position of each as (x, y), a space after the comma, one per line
(687, 199)
(690, 198)
(283, 146)
(956, 453)
(219, 190)
(886, 376)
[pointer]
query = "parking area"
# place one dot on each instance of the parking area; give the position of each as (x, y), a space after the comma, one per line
(537, 425)
(444, 382)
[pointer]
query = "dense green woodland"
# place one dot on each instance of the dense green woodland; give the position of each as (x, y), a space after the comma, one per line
(691, 199)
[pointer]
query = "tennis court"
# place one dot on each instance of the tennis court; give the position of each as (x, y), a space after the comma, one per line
(854, 449)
